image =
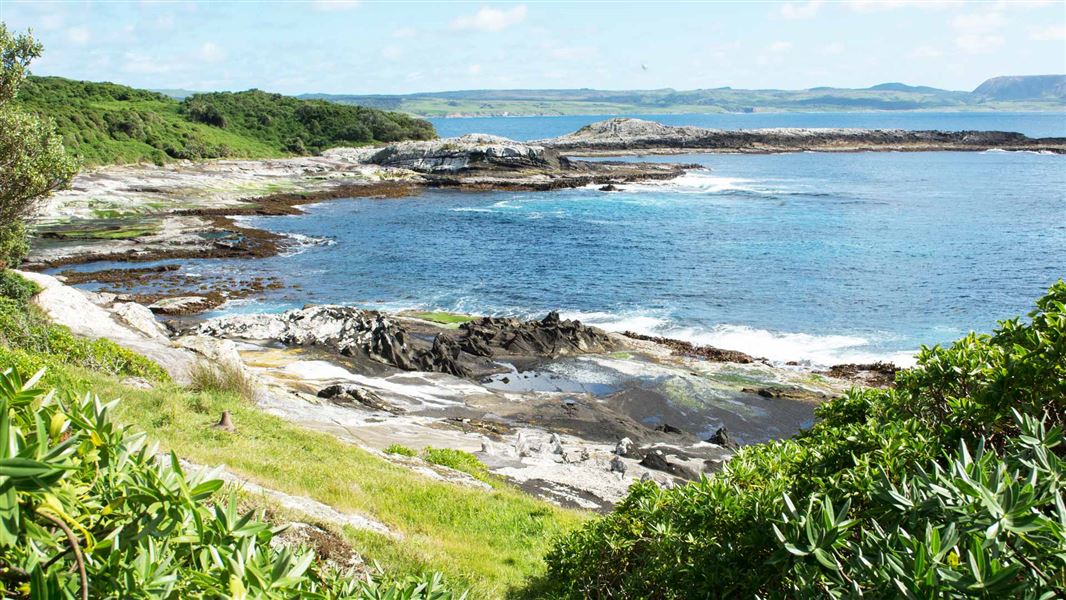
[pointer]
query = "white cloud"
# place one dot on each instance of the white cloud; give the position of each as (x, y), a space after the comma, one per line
(978, 33)
(800, 10)
(51, 22)
(978, 22)
(572, 53)
(211, 52)
(1051, 33)
(873, 5)
(334, 5)
(78, 35)
(143, 64)
(833, 49)
(491, 19)
(404, 33)
(780, 46)
(474, 69)
(392, 52)
(926, 52)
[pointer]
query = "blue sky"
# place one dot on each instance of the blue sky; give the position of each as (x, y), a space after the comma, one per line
(398, 47)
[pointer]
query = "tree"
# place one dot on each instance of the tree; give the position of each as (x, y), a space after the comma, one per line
(33, 162)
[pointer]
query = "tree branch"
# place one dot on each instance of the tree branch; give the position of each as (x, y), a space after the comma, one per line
(77, 552)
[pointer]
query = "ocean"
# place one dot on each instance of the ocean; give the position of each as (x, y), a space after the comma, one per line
(810, 257)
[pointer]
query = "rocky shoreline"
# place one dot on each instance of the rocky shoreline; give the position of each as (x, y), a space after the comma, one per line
(625, 136)
(565, 411)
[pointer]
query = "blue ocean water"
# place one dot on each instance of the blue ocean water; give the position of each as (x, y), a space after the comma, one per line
(822, 258)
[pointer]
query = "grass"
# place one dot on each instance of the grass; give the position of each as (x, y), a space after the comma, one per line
(441, 317)
(491, 541)
(400, 450)
(458, 460)
(224, 377)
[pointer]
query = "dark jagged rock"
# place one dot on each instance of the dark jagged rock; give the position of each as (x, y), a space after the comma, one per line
(668, 428)
(443, 357)
(722, 438)
(609, 188)
(551, 336)
(793, 393)
(878, 374)
(689, 349)
(354, 332)
(655, 460)
(342, 394)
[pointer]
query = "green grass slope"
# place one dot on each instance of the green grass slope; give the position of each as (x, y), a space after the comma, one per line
(105, 123)
(489, 541)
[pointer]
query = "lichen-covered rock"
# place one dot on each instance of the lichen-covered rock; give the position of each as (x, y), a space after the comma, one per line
(466, 153)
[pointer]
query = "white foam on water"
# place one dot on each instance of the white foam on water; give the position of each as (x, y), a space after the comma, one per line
(698, 182)
(811, 350)
(304, 242)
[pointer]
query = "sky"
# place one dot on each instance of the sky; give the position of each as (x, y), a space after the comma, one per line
(367, 47)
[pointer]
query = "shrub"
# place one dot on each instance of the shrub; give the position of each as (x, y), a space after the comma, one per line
(401, 450)
(14, 244)
(949, 485)
(458, 460)
(16, 287)
(225, 377)
(87, 510)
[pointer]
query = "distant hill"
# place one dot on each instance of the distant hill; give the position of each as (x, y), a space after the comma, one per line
(886, 96)
(107, 123)
(1026, 87)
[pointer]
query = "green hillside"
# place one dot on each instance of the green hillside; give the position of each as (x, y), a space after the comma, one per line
(105, 123)
(1024, 94)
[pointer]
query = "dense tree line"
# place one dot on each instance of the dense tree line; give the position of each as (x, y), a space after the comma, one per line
(105, 123)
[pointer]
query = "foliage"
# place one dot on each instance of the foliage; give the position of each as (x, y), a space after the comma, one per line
(87, 510)
(400, 450)
(107, 123)
(949, 485)
(33, 162)
(458, 460)
(29, 339)
(314, 125)
(225, 377)
(16, 287)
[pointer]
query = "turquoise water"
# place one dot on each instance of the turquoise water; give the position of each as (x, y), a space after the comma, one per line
(822, 258)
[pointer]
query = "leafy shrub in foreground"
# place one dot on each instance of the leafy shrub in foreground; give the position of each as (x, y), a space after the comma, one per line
(893, 501)
(87, 510)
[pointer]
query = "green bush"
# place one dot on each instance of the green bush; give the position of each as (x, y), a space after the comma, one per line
(105, 123)
(949, 485)
(458, 460)
(400, 450)
(87, 510)
(14, 244)
(16, 287)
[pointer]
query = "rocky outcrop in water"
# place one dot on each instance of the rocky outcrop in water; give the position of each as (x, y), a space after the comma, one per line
(878, 374)
(551, 336)
(355, 332)
(624, 135)
(347, 330)
(474, 151)
(689, 349)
